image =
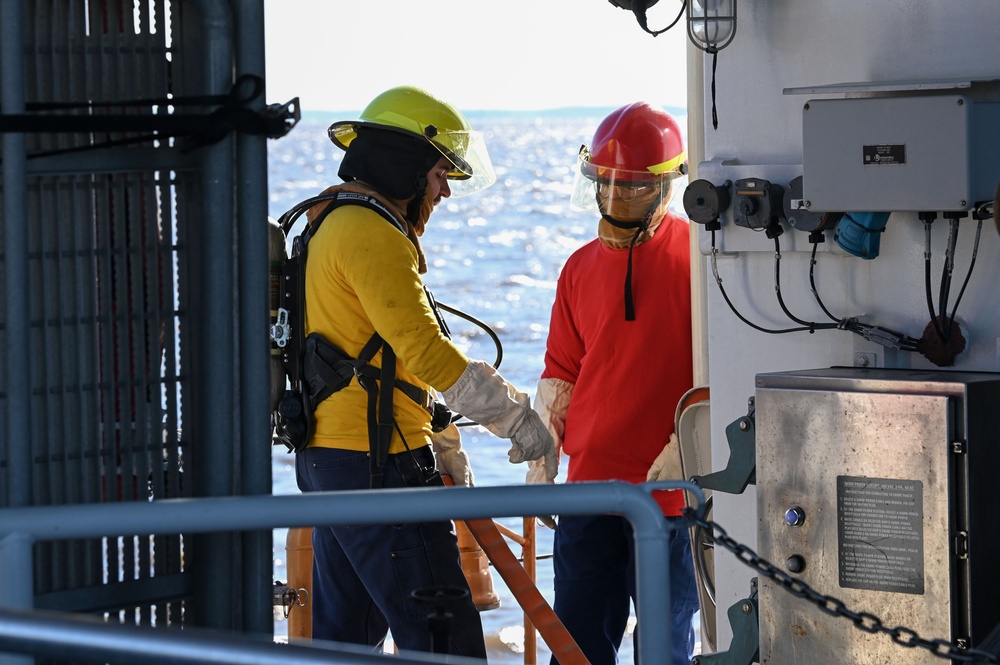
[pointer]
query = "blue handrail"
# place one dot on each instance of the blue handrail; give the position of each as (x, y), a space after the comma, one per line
(21, 527)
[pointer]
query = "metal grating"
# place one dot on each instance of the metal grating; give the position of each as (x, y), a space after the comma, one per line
(104, 321)
(135, 300)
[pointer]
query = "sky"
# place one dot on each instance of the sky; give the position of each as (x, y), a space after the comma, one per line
(474, 54)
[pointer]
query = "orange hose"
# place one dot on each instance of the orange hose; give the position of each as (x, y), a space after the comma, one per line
(560, 642)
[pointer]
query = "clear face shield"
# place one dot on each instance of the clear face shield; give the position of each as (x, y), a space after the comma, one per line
(625, 195)
(466, 150)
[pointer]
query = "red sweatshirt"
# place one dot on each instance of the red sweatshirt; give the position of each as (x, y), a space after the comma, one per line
(628, 375)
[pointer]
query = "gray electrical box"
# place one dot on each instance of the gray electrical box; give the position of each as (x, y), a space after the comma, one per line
(932, 153)
(877, 487)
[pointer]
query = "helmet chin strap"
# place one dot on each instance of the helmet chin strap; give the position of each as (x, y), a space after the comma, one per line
(640, 228)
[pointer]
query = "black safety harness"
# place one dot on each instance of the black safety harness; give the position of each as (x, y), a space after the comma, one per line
(316, 368)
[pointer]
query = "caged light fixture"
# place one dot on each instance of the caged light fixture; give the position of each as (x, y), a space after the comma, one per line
(711, 24)
(711, 27)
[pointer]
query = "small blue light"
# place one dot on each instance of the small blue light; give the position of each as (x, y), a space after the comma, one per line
(794, 516)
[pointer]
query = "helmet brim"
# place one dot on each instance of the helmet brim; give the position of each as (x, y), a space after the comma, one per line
(472, 169)
(617, 186)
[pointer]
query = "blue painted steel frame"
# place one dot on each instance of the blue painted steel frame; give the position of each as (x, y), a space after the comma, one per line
(23, 632)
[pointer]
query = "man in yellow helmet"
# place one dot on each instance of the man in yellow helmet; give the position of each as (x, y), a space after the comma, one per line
(407, 152)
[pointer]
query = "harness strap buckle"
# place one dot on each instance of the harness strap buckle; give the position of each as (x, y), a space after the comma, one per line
(281, 331)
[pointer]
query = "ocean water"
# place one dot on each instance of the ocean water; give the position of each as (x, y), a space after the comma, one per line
(495, 255)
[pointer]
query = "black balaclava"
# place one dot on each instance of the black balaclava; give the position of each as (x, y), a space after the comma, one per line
(394, 163)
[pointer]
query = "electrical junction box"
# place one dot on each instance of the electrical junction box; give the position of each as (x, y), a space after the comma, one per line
(931, 153)
(877, 487)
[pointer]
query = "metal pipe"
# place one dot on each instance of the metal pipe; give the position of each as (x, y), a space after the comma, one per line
(16, 443)
(54, 635)
(216, 300)
(214, 307)
(379, 506)
(16, 557)
(696, 155)
(254, 365)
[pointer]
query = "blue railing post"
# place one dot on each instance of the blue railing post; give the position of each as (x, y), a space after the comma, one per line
(18, 586)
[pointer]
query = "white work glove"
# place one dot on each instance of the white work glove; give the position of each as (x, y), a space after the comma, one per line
(449, 457)
(667, 465)
(485, 397)
(539, 473)
(551, 403)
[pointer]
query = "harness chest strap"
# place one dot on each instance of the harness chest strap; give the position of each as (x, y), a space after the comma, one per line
(328, 369)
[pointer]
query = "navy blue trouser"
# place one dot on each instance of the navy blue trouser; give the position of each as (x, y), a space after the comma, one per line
(363, 575)
(594, 565)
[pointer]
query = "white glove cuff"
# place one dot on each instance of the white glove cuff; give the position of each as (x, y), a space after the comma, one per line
(482, 395)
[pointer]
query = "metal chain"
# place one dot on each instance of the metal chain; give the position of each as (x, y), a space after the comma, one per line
(865, 621)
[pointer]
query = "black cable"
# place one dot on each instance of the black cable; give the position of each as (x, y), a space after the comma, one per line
(457, 418)
(877, 334)
(199, 129)
(928, 218)
(256, 89)
(722, 290)
(715, 112)
(944, 288)
(972, 263)
(477, 322)
(812, 282)
(639, 9)
(145, 138)
(813, 327)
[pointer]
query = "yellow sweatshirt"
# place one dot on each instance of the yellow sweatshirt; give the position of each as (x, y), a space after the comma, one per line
(362, 275)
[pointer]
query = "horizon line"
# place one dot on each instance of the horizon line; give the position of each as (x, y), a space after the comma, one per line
(546, 110)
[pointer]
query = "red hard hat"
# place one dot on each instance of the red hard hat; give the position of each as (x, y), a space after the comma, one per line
(640, 138)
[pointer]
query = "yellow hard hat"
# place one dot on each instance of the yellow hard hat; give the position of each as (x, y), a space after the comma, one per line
(417, 113)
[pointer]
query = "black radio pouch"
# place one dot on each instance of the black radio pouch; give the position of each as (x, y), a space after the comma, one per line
(292, 421)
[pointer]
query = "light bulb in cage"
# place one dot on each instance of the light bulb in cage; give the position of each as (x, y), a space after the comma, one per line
(711, 23)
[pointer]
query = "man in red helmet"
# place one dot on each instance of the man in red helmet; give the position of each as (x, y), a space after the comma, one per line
(618, 359)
